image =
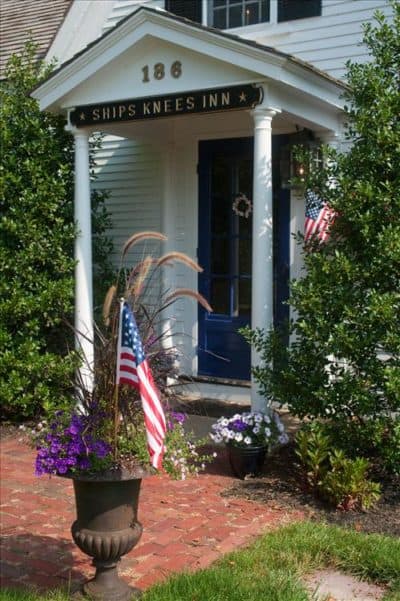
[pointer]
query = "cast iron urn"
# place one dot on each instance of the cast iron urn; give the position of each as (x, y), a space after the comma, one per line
(107, 528)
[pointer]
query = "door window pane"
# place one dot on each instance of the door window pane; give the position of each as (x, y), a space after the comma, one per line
(220, 292)
(244, 297)
(220, 256)
(220, 185)
(244, 257)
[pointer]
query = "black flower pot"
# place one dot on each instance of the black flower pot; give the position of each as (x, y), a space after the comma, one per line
(107, 528)
(246, 461)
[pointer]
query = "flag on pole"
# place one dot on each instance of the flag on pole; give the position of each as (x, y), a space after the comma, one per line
(319, 217)
(133, 369)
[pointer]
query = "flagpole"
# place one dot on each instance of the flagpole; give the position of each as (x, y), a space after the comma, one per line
(116, 387)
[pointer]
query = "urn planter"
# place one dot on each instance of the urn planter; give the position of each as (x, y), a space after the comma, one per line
(246, 461)
(106, 528)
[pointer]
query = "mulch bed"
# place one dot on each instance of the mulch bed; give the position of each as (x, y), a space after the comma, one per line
(280, 486)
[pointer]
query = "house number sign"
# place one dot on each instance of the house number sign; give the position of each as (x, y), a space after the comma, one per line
(159, 71)
(183, 103)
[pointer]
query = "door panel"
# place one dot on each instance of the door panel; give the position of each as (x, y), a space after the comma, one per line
(225, 170)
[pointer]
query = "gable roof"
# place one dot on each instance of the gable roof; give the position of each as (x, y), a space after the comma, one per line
(200, 27)
(144, 23)
(22, 19)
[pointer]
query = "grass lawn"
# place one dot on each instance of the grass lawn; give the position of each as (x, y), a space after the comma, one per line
(271, 568)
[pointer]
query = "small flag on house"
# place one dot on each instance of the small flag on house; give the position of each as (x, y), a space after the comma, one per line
(133, 369)
(319, 217)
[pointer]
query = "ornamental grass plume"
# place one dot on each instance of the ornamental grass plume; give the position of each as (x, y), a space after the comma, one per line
(106, 430)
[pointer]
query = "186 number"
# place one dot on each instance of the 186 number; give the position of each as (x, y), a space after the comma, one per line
(159, 71)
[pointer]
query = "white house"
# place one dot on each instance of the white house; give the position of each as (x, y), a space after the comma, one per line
(200, 101)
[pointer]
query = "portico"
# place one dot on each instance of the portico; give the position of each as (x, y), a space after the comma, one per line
(170, 84)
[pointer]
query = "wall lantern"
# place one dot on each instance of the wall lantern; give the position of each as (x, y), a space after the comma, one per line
(291, 169)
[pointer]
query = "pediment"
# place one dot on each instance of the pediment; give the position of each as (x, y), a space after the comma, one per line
(122, 65)
(155, 67)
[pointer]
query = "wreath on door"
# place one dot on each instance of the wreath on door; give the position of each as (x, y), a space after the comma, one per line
(242, 206)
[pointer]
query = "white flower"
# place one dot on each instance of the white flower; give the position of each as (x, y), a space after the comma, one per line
(267, 419)
(216, 437)
(258, 418)
(225, 432)
(230, 435)
(256, 430)
(247, 440)
(267, 432)
(224, 421)
(238, 437)
(283, 438)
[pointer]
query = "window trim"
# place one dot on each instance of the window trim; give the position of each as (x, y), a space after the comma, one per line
(207, 6)
(210, 13)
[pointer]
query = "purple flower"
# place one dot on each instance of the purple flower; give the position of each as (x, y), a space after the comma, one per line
(238, 426)
(178, 417)
(71, 445)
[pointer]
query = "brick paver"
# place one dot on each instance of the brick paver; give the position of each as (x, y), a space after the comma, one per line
(187, 525)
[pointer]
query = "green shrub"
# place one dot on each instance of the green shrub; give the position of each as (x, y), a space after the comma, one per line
(346, 483)
(333, 475)
(343, 362)
(36, 245)
(313, 447)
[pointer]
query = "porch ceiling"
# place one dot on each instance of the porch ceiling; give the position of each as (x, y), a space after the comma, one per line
(113, 69)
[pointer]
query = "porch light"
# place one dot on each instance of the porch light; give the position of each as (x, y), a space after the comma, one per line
(290, 168)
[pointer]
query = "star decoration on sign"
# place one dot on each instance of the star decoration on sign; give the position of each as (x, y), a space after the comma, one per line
(82, 116)
(242, 97)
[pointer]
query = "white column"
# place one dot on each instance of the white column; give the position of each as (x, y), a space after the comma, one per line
(262, 274)
(83, 258)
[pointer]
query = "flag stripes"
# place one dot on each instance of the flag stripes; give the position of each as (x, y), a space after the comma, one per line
(318, 219)
(133, 370)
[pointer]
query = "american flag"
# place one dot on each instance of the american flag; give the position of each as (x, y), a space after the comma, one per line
(133, 369)
(319, 217)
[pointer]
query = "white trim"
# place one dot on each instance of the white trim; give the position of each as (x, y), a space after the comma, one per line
(144, 22)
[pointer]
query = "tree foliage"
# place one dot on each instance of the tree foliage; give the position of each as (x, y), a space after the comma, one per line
(344, 361)
(37, 233)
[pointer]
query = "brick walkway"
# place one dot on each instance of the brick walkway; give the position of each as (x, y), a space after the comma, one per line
(187, 525)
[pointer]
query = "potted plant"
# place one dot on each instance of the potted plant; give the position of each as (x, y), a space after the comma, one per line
(122, 429)
(247, 437)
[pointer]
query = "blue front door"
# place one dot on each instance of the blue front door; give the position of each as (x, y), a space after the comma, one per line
(225, 226)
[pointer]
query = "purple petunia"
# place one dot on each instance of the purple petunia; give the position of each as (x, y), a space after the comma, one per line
(71, 444)
(238, 425)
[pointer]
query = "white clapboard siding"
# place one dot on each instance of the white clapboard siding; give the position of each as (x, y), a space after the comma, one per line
(327, 41)
(130, 172)
(123, 8)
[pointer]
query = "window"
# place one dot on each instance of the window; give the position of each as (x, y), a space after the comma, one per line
(226, 14)
(288, 10)
(190, 9)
